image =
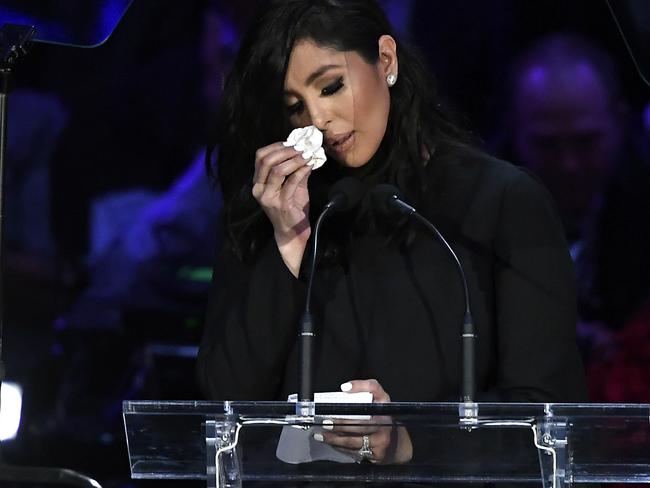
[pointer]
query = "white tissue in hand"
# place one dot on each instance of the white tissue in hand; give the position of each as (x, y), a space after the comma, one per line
(309, 141)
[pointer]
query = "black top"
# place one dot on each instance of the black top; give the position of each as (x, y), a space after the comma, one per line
(394, 313)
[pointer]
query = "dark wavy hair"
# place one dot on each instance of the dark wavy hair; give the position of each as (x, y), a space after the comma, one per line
(253, 115)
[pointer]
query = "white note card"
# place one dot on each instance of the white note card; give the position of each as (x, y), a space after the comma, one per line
(297, 444)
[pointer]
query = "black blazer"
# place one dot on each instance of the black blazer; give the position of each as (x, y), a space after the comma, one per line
(395, 314)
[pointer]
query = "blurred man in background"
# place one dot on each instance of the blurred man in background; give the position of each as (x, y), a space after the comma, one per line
(569, 124)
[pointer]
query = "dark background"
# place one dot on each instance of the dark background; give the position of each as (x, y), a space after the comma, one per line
(135, 118)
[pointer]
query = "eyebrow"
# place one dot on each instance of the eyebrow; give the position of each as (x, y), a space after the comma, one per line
(319, 72)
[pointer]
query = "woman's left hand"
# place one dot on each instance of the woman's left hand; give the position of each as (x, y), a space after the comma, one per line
(386, 442)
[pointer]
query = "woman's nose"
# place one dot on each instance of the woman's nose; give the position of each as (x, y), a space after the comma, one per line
(319, 117)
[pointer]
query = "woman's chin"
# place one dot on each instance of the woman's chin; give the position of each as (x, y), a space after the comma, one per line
(346, 161)
(352, 162)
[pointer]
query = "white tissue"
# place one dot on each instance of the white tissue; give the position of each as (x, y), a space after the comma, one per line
(309, 141)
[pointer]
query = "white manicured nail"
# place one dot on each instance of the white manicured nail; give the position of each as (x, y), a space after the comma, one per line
(319, 437)
(328, 424)
(346, 386)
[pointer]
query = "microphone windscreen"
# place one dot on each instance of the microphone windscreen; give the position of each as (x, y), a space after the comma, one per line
(383, 196)
(346, 193)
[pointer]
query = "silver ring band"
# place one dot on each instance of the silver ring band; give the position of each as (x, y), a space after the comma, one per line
(366, 451)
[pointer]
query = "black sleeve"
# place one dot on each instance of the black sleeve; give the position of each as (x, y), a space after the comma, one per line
(538, 359)
(251, 325)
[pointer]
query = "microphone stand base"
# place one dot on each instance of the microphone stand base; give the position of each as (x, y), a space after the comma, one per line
(306, 408)
(468, 413)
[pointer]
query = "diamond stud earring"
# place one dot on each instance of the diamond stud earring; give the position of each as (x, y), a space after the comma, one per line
(391, 79)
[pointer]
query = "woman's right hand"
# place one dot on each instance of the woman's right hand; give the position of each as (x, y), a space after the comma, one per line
(280, 187)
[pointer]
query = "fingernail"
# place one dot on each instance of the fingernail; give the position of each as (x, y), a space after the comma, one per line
(319, 437)
(328, 424)
(346, 386)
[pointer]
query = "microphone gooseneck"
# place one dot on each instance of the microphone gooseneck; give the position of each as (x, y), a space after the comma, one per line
(343, 196)
(387, 199)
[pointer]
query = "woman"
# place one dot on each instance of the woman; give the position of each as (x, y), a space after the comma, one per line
(387, 300)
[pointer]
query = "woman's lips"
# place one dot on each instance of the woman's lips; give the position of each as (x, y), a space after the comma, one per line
(341, 144)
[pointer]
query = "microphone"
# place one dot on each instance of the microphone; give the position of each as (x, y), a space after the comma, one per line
(343, 196)
(387, 199)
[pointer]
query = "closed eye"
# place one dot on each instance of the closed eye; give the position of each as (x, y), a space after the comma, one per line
(332, 88)
(295, 108)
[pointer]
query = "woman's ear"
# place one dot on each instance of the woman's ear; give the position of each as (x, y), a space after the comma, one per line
(388, 55)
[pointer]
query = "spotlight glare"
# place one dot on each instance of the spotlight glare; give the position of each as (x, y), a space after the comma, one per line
(11, 400)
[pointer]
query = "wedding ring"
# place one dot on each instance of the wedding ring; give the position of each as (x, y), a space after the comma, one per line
(365, 452)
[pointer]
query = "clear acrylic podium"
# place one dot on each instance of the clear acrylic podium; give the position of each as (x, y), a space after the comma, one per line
(227, 443)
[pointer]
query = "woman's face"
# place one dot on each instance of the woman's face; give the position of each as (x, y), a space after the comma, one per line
(341, 94)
